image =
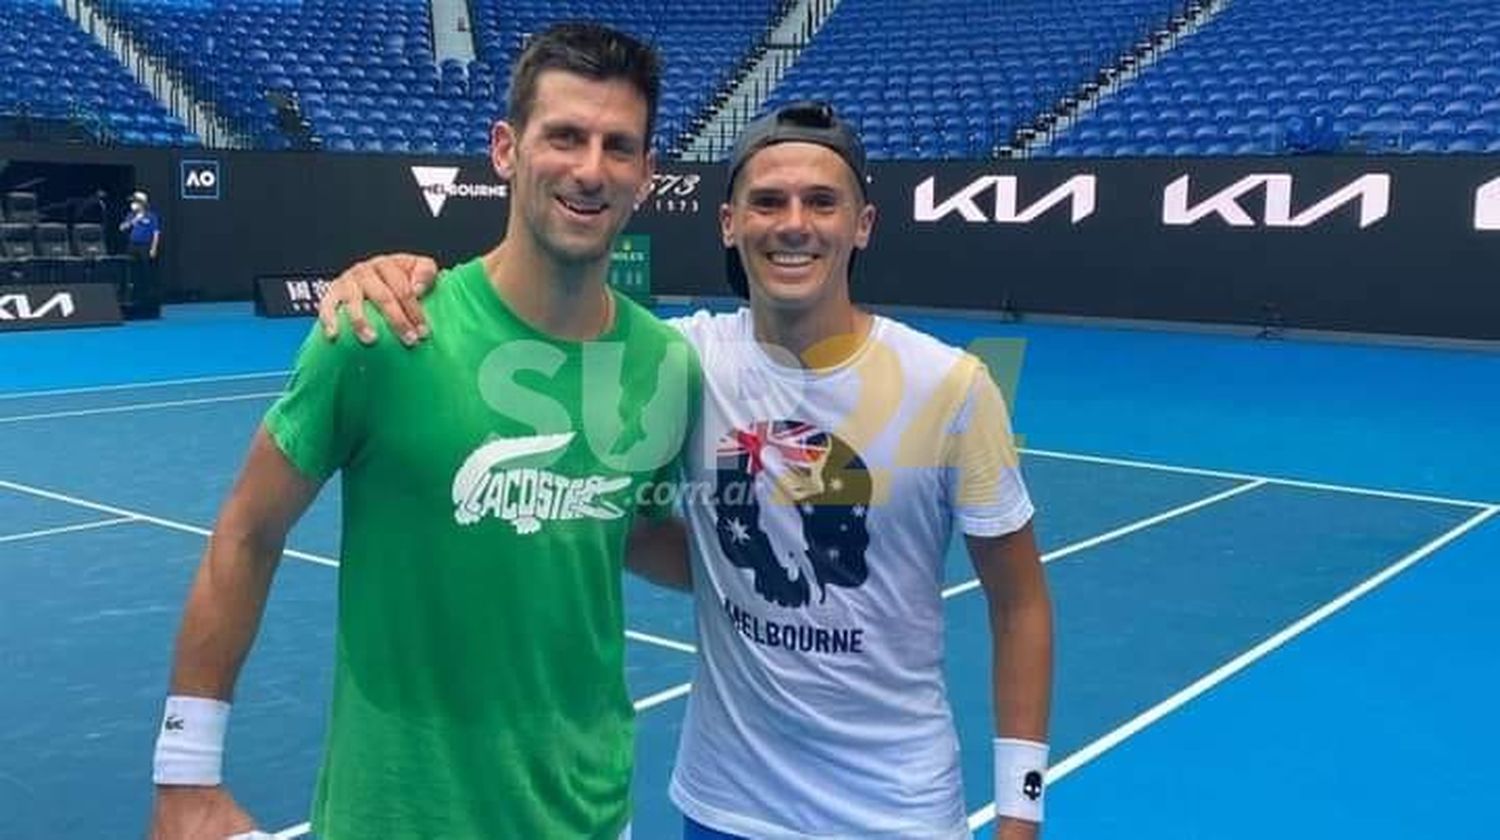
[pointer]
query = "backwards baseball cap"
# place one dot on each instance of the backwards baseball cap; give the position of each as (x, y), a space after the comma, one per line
(139, 196)
(797, 122)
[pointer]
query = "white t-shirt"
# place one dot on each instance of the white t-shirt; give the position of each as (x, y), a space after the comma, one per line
(821, 505)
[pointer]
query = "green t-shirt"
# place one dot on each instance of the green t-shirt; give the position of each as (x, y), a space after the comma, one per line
(490, 477)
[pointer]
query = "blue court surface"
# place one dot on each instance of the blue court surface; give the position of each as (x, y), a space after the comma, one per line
(1273, 563)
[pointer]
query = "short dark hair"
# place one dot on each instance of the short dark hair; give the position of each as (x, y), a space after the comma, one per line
(590, 50)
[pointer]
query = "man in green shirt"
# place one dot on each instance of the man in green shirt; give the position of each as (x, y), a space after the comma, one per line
(494, 482)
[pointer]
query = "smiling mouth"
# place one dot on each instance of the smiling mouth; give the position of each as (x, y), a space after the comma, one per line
(582, 208)
(783, 259)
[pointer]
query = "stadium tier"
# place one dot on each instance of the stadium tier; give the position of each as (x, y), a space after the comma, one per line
(1279, 76)
(704, 44)
(955, 78)
(53, 71)
(364, 76)
(922, 79)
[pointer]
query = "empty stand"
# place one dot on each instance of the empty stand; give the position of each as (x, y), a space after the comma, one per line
(53, 70)
(704, 44)
(1276, 76)
(956, 78)
(363, 74)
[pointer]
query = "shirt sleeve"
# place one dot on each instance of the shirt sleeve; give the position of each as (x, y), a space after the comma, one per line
(987, 491)
(319, 421)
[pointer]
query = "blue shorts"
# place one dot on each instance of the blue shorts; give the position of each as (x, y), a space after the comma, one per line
(694, 830)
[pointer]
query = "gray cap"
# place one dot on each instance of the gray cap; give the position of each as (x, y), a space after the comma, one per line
(796, 122)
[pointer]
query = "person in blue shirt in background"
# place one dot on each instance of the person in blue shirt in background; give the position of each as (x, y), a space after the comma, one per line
(144, 228)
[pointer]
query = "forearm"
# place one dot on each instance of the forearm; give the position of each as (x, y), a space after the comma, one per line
(223, 614)
(658, 551)
(1022, 668)
(1022, 687)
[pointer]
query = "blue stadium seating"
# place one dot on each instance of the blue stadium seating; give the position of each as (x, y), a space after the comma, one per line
(362, 71)
(921, 78)
(1284, 76)
(52, 69)
(703, 43)
(364, 74)
(955, 78)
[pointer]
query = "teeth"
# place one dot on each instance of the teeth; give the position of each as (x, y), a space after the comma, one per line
(792, 259)
(582, 208)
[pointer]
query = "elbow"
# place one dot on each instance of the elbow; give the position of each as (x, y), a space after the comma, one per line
(244, 535)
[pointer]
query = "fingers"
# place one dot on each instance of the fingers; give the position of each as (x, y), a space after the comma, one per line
(423, 271)
(346, 291)
(419, 275)
(394, 283)
(352, 293)
(391, 289)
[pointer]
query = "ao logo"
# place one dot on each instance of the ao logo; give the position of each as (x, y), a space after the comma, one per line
(200, 179)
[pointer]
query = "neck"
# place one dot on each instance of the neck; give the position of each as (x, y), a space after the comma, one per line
(567, 302)
(819, 337)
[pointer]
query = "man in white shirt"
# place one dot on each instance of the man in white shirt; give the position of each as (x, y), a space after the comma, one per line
(837, 452)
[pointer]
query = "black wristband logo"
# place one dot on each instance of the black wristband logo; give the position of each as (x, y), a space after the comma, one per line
(1032, 786)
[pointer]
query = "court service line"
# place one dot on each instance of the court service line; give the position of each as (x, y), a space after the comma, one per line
(1102, 745)
(1138, 525)
(1285, 482)
(66, 529)
(120, 409)
(127, 514)
(154, 383)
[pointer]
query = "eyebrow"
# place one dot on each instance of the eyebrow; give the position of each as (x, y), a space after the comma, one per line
(559, 125)
(812, 189)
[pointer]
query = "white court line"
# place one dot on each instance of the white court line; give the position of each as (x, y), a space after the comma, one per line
(1138, 525)
(669, 644)
(143, 517)
(1285, 482)
(1239, 663)
(156, 383)
(119, 409)
(65, 529)
(660, 697)
(128, 515)
(1045, 453)
(298, 830)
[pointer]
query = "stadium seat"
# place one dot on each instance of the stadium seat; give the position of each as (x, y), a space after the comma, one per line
(21, 206)
(88, 240)
(17, 240)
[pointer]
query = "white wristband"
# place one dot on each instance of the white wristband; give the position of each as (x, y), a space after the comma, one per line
(1020, 778)
(190, 745)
